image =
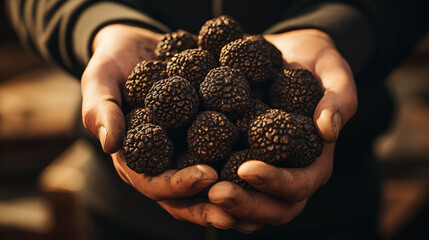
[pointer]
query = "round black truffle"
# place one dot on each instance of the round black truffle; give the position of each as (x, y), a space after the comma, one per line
(147, 149)
(230, 168)
(279, 137)
(296, 91)
(136, 117)
(172, 102)
(270, 50)
(211, 136)
(217, 32)
(191, 64)
(226, 90)
(141, 79)
(173, 43)
(248, 56)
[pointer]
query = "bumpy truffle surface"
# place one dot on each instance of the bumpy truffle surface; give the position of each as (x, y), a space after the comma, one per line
(277, 136)
(147, 149)
(211, 136)
(230, 168)
(141, 79)
(270, 50)
(217, 32)
(296, 91)
(173, 43)
(138, 116)
(191, 64)
(226, 90)
(172, 102)
(248, 56)
(188, 159)
(257, 107)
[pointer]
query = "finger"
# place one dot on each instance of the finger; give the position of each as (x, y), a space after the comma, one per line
(169, 185)
(339, 103)
(101, 104)
(254, 206)
(292, 184)
(198, 211)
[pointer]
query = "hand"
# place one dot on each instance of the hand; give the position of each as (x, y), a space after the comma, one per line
(285, 191)
(117, 48)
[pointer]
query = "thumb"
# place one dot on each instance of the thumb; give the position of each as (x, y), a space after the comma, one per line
(339, 103)
(327, 118)
(106, 121)
(101, 111)
(332, 113)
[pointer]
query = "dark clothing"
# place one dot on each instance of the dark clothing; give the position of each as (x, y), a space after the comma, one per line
(373, 36)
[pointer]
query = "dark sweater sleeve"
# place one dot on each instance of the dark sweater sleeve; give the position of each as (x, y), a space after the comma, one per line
(62, 31)
(349, 28)
(369, 34)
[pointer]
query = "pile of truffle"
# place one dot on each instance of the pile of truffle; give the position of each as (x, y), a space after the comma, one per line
(220, 98)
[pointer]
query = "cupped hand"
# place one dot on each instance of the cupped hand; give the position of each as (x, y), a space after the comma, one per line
(117, 48)
(284, 192)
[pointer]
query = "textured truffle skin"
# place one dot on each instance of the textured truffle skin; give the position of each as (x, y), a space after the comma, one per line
(248, 56)
(172, 102)
(257, 107)
(279, 137)
(296, 91)
(173, 43)
(230, 168)
(147, 149)
(217, 32)
(136, 117)
(270, 50)
(141, 79)
(211, 136)
(226, 90)
(191, 64)
(188, 159)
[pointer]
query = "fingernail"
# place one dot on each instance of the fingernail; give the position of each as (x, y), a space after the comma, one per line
(102, 135)
(255, 180)
(336, 124)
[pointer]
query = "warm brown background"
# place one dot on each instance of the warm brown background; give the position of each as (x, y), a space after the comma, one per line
(43, 147)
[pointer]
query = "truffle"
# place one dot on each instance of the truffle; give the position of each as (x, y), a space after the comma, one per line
(141, 79)
(230, 168)
(226, 90)
(136, 117)
(188, 159)
(211, 136)
(270, 50)
(217, 32)
(147, 149)
(247, 55)
(172, 102)
(173, 43)
(191, 64)
(295, 91)
(288, 138)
